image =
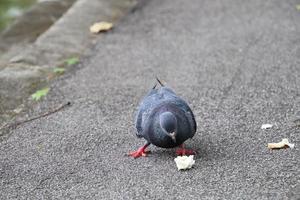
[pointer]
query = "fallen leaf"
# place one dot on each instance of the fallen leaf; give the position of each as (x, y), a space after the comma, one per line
(100, 26)
(184, 162)
(283, 144)
(18, 110)
(39, 94)
(266, 126)
(59, 70)
(72, 61)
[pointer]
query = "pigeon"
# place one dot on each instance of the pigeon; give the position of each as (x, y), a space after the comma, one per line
(164, 120)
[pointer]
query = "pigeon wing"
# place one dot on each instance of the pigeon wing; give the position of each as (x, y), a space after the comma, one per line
(189, 114)
(143, 111)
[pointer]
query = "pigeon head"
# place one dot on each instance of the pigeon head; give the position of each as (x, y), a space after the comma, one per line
(168, 123)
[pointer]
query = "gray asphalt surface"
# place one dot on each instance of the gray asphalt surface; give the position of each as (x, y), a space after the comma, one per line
(236, 62)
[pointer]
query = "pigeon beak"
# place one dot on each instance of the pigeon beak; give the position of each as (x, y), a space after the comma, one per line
(172, 135)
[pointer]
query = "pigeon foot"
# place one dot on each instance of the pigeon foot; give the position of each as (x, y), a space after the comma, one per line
(140, 152)
(183, 151)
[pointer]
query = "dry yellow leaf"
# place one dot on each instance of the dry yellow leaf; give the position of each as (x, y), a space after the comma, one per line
(101, 26)
(283, 144)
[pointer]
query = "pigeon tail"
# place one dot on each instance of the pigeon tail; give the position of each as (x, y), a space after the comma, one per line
(159, 82)
(154, 86)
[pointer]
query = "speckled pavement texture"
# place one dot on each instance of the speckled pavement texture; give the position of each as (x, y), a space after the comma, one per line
(237, 63)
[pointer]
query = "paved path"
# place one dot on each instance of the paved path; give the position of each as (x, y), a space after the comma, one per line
(237, 64)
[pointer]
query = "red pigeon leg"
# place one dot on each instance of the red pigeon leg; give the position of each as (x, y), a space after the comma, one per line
(183, 151)
(140, 152)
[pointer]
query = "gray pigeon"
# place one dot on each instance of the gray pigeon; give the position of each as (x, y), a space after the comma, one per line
(164, 120)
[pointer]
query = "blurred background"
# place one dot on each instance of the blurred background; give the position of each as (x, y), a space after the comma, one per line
(10, 9)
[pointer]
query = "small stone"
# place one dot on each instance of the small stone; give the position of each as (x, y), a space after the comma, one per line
(266, 126)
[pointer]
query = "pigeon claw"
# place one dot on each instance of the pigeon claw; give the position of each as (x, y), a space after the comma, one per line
(185, 152)
(140, 152)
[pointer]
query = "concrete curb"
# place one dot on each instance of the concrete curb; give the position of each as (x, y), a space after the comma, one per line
(34, 22)
(68, 37)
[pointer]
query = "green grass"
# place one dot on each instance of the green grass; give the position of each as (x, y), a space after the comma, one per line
(39, 94)
(59, 70)
(72, 61)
